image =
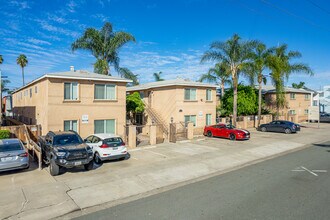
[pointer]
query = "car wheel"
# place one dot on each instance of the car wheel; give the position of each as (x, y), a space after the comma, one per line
(209, 134)
(97, 158)
(287, 131)
(232, 137)
(54, 169)
(263, 129)
(89, 166)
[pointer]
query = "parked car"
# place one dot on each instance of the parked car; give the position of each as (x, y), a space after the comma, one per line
(324, 117)
(106, 147)
(65, 149)
(226, 131)
(280, 126)
(13, 155)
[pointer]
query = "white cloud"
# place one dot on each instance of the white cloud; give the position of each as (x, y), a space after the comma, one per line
(20, 4)
(38, 41)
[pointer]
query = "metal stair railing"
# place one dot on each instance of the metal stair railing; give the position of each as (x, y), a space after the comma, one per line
(158, 119)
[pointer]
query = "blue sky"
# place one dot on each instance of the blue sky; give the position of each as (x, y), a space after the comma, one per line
(171, 35)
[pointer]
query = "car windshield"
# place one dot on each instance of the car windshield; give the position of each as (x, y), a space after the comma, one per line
(115, 141)
(10, 147)
(229, 126)
(66, 139)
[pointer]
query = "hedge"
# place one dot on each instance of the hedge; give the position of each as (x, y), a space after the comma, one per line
(4, 134)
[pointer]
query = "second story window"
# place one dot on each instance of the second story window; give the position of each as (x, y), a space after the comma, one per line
(71, 91)
(292, 96)
(190, 94)
(307, 96)
(208, 95)
(105, 92)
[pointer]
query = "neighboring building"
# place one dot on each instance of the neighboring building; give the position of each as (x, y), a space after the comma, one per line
(7, 106)
(74, 100)
(178, 101)
(297, 102)
(324, 98)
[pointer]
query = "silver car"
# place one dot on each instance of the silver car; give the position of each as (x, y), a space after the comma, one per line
(13, 155)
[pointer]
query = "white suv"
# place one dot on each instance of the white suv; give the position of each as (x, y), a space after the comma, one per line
(106, 147)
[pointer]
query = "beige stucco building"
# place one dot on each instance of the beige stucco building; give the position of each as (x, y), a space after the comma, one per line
(74, 100)
(178, 101)
(297, 102)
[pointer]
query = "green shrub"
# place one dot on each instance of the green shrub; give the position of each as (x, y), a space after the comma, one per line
(4, 134)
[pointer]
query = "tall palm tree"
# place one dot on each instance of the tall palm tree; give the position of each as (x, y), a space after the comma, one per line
(255, 70)
(104, 45)
(126, 73)
(281, 68)
(158, 77)
(235, 53)
(22, 61)
(220, 74)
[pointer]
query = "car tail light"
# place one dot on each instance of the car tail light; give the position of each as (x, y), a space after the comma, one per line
(23, 154)
(104, 146)
(122, 144)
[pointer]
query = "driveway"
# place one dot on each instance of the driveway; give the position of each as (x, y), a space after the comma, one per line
(34, 194)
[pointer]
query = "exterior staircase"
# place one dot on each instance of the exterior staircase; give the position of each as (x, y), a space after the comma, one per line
(156, 118)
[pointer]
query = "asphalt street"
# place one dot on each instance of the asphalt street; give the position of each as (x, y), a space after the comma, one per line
(293, 186)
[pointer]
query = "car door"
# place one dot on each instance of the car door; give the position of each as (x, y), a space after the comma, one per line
(272, 126)
(222, 131)
(89, 142)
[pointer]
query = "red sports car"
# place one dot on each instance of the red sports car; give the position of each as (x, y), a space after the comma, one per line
(226, 131)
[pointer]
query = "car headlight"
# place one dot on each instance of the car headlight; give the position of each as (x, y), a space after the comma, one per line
(60, 154)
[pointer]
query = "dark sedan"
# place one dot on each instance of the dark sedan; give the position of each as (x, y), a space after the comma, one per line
(280, 126)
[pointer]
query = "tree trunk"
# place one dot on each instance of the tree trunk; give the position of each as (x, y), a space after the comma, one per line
(23, 75)
(222, 89)
(259, 101)
(235, 98)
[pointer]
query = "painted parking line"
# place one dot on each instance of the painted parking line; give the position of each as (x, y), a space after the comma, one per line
(159, 154)
(313, 172)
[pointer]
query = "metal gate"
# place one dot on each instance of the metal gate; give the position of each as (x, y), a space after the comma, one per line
(178, 131)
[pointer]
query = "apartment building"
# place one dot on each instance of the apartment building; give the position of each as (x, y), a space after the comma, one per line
(74, 100)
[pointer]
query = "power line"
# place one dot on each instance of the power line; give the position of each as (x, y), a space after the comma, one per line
(293, 15)
(319, 7)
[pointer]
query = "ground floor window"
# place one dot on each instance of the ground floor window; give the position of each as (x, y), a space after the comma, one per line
(208, 119)
(190, 118)
(292, 112)
(306, 112)
(71, 125)
(105, 126)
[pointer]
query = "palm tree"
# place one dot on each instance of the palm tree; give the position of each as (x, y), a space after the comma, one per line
(220, 73)
(255, 68)
(235, 53)
(126, 73)
(104, 45)
(22, 61)
(281, 68)
(158, 77)
(1, 59)
(300, 85)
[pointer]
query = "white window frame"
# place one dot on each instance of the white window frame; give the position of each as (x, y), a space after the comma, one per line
(71, 123)
(184, 94)
(306, 111)
(105, 91)
(71, 91)
(105, 124)
(292, 96)
(292, 112)
(210, 90)
(307, 97)
(184, 117)
(206, 119)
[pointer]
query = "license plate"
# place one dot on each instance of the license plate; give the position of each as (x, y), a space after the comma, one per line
(4, 159)
(77, 163)
(115, 148)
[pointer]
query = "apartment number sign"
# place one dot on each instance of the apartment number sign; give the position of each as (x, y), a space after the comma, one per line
(84, 119)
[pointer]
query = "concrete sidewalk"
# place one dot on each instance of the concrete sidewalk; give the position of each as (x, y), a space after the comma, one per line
(33, 194)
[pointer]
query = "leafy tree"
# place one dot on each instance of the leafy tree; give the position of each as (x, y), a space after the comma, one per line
(4, 84)
(126, 73)
(247, 102)
(104, 45)
(254, 70)
(158, 77)
(301, 85)
(22, 61)
(1, 59)
(134, 104)
(281, 68)
(219, 74)
(235, 53)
